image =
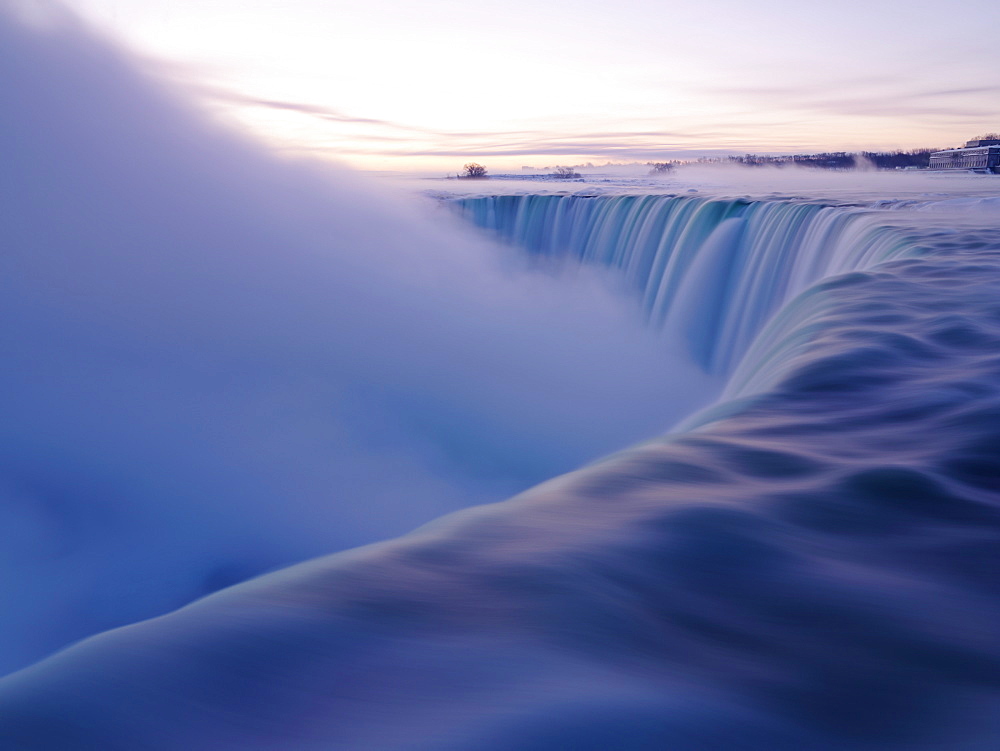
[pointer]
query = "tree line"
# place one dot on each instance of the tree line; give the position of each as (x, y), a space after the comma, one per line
(841, 160)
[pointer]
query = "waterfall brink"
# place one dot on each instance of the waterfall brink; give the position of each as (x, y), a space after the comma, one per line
(712, 270)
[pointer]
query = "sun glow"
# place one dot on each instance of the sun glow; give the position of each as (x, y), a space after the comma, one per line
(388, 84)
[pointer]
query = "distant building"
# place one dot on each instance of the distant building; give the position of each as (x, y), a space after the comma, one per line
(982, 155)
(982, 142)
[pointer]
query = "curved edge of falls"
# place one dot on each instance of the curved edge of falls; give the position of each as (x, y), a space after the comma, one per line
(711, 270)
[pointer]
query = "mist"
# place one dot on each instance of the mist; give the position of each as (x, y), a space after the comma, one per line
(218, 362)
(857, 187)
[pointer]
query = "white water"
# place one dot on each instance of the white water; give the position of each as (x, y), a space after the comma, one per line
(709, 269)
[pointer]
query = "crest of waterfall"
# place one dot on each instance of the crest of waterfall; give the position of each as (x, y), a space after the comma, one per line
(712, 270)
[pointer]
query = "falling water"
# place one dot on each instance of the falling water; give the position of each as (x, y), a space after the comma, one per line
(713, 270)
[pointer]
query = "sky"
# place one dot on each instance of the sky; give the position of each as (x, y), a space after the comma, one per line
(428, 86)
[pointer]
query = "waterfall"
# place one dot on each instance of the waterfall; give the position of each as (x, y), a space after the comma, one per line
(713, 270)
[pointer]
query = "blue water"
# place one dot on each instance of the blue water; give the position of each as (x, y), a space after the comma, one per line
(714, 269)
(810, 561)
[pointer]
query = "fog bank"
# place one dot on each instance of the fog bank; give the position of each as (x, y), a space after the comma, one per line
(217, 362)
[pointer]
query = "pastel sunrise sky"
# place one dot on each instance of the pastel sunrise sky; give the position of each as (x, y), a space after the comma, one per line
(392, 85)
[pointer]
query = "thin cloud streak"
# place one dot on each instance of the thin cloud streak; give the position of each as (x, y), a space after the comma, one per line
(326, 113)
(876, 103)
(726, 134)
(312, 110)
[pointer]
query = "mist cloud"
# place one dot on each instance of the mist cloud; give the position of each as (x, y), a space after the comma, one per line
(217, 362)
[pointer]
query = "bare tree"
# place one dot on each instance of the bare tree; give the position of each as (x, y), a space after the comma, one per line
(474, 170)
(566, 173)
(661, 168)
